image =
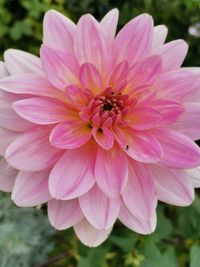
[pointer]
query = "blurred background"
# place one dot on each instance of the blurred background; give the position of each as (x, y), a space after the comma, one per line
(26, 238)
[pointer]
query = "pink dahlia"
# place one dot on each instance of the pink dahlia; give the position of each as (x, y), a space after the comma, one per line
(100, 127)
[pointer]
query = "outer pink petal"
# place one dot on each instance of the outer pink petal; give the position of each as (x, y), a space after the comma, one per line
(111, 171)
(8, 117)
(139, 195)
(3, 70)
(194, 176)
(109, 23)
(90, 78)
(30, 84)
(89, 235)
(31, 189)
(58, 31)
(41, 110)
(32, 151)
(70, 134)
(179, 151)
(90, 44)
(138, 225)
(6, 137)
(159, 35)
(64, 214)
(104, 137)
(189, 122)
(98, 209)
(19, 62)
(172, 186)
(7, 176)
(142, 146)
(172, 54)
(60, 68)
(133, 42)
(73, 174)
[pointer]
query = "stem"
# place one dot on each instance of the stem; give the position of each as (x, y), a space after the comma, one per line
(54, 259)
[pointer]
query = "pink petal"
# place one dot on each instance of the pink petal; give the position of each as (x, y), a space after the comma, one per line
(70, 134)
(31, 189)
(135, 36)
(60, 68)
(41, 110)
(119, 73)
(109, 23)
(19, 62)
(194, 177)
(58, 31)
(142, 146)
(8, 117)
(143, 118)
(3, 70)
(104, 137)
(139, 194)
(98, 209)
(172, 186)
(90, 78)
(159, 35)
(178, 85)
(64, 214)
(6, 137)
(189, 123)
(140, 226)
(90, 44)
(89, 235)
(30, 84)
(179, 151)
(111, 171)
(73, 175)
(32, 151)
(172, 54)
(7, 176)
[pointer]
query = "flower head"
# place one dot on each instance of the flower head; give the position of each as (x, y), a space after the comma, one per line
(100, 127)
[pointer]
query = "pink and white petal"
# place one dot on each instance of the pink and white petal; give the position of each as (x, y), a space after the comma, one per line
(111, 171)
(58, 31)
(142, 146)
(42, 110)
(140, 226)
(31, 189)
(138, 34)
(91, 45)
(30, 84)
(109, 24)
(7, 176)
(104, 137)
(3, 70)
(170, 110)
(90, 78)
(89, 235)
(139, 194)
(119, 73)
(172, 186)
(19, 62)
(32, 151)
(70, 134)
(143, 118)
(98, 209)
(194, 176)
(61, 69)
(189, 123)
(64, 214)
(159, 35)
(172, 54)
(178, 85)
(74, 170)
(8, 117)
(6, 137)
(179, 151)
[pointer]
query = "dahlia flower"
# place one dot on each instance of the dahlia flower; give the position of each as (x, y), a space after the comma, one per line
(100, 127)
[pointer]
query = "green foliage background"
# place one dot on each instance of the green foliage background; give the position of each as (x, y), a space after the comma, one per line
(26, 238)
